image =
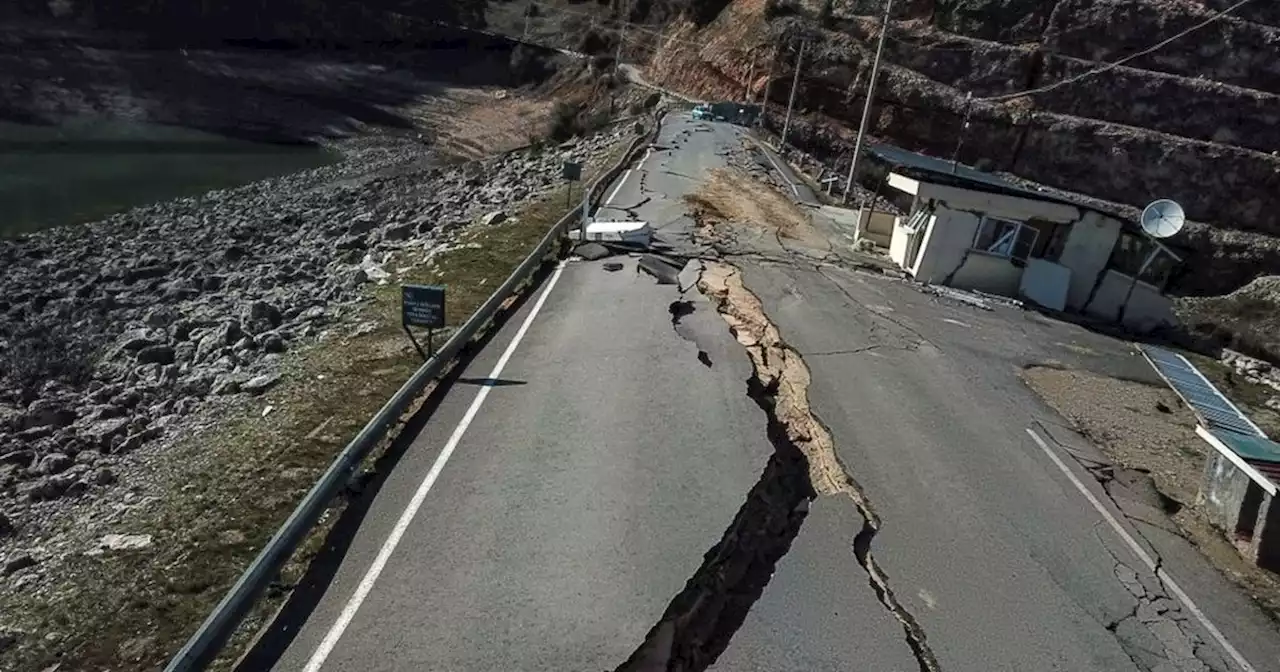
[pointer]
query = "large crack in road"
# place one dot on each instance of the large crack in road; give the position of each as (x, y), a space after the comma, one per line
(699, 622)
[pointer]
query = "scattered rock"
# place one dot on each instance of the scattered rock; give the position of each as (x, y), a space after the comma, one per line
(54, 463)
(48, 412)
(495, 217)
(228, 384)
(6, 526)
(262, 316)
(260, 384)
(101, 433)
(156, 354)
(103, 476)
(17, 562)
(124, 542)
(272, 343)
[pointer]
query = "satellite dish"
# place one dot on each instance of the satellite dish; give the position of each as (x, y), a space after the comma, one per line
(1162, 218)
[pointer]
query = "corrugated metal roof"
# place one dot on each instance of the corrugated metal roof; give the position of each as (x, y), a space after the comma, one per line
(1214, 410)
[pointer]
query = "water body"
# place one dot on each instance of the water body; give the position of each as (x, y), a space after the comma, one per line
(51, 176)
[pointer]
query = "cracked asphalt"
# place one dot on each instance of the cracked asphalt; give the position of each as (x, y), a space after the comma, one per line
(628, 469)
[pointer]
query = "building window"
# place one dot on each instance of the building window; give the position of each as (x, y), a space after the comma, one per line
(1136, 255)
(1005, 238)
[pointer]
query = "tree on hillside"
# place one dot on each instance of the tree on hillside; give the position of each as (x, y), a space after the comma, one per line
(826, 15)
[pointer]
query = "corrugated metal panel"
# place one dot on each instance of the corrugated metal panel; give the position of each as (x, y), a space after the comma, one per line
(1215, 411)
(1254, 449)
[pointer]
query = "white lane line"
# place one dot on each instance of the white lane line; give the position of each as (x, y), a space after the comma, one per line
(618, 188)
(1144, 557)
(389, 546)
(768, 154)
(623, 181)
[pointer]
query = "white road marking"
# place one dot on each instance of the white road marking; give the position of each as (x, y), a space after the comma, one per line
(618, 188)
(1144, 557)
(406, 518)
(623, 181)
(781, 173)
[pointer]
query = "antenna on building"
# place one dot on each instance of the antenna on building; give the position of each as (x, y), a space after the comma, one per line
(1162, 218)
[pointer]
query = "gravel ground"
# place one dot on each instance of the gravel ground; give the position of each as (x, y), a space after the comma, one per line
(1147, 428)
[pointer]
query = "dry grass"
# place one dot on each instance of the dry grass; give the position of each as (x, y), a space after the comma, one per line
(1127, 421)
(221, 494)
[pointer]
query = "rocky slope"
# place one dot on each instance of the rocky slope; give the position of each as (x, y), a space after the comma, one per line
(115, 336)
(1194, 121)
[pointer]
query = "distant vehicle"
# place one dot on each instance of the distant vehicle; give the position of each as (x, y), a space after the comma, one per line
(737, 113)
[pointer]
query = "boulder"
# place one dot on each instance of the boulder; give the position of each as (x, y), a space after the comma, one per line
(260, 384)
(398, 232)
(156, 354)
(228, 383)
(48, 412)
(102, 432)
(54, 463)
(261, 316)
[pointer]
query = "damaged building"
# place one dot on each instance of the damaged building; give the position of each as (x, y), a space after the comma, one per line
(973, 230)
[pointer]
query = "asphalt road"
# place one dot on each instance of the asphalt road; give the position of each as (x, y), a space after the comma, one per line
(569, 485)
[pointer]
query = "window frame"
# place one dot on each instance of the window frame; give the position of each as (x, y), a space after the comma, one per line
(1018, 227)
(1156, 249)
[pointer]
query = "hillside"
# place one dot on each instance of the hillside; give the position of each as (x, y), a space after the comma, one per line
(1197, 121)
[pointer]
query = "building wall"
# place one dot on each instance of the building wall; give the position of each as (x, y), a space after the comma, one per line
(988, 273)
(876, 226)
(946, 243)
(959, 212)
(1265, 546)
(1087, 249)
(1222, 492)
(1147, 308)
(899, 243)
(1046, 284)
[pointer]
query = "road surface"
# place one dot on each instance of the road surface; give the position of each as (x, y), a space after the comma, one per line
(605, 461)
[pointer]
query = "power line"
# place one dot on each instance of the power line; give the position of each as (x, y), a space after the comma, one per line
(1116, 64)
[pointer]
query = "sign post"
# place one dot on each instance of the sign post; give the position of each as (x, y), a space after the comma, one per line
(422, 306)
(572, 172)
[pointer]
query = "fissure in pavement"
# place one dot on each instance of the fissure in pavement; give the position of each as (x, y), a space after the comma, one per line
(702, 618)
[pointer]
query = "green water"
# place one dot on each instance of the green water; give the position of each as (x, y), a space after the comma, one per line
(70, 174)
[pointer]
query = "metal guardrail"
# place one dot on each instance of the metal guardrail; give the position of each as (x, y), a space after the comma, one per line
(213, 634)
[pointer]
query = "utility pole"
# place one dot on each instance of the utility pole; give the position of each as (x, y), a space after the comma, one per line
(795, 84)
(527, 12)
(866, 108)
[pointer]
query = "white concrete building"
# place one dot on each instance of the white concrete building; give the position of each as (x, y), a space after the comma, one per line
(973, 230)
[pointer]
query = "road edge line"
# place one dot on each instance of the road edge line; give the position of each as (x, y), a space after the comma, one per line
(1145, 557)
(326, 646)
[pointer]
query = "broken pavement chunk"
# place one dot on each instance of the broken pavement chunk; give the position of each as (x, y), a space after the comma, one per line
(592, 251)
(660, 268)
(612, 266)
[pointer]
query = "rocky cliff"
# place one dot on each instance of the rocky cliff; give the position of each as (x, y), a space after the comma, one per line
(1195, 121)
